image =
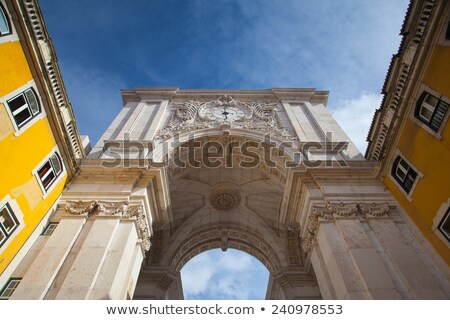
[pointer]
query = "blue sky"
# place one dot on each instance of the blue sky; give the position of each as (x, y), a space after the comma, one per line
(230, 275)
(341, 46)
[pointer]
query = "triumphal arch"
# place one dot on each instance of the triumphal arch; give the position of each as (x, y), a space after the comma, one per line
(268, 172)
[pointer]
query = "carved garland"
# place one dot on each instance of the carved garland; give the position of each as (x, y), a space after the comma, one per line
(331, 211)
(122, 209)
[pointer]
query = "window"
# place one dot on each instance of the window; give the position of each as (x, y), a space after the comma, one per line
(50, 228)
(9, 288)
(49, 171)
(404, 174)
(5, 27)
(444, 225)
(24, 107)
(8, 223)
(431, 110)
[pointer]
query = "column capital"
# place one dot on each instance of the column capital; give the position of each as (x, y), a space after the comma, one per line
(119, 209)
(330, 211)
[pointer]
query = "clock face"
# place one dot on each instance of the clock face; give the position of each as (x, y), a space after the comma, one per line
(223, 113)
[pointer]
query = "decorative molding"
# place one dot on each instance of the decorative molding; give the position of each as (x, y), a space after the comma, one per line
(112, 208)
(78, 208)
(138, 212)
(63, 108)
(225, 199)
(375, 209)
(385, 121)
(193, 115)
(121, 209)
(332, 211)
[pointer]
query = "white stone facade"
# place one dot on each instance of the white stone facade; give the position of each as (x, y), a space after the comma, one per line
(268, 172)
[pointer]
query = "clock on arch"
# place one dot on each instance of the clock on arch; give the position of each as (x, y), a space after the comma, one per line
(225, 109)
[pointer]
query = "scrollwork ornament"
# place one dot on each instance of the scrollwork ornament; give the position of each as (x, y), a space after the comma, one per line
(141, 222)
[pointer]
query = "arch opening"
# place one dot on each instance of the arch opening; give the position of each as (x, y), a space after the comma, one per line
(224, 275)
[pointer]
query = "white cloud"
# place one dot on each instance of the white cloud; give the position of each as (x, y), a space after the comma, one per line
(224, 275)
(355, 116)
(197, 274)
(235, 261)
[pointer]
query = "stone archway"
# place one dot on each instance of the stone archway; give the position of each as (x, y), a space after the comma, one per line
(226, 206)
(324, 225)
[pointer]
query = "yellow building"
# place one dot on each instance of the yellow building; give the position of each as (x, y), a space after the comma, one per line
(39, 141)
(410, 134)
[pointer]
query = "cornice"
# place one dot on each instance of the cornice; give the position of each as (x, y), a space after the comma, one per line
(402, 76)
(175, 93)
(48, 63)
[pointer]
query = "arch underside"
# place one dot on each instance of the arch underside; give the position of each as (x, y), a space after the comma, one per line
(226, 206)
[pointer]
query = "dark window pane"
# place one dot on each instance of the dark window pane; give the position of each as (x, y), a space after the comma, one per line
(22, 117)
(444, 226)
(45, 168)
(48, 180)
(408, 184)
(16, 103)
(431, 100)
(7, 220)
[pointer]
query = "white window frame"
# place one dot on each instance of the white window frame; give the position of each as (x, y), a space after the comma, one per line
(440, 215)
(13, 35)
(4, 100)
(18, 214)
(50, 228)
(26, 106)
(427, 106)
(400, 187)
(7, 233)
(12, 281)
(425, 88)
(35, 173)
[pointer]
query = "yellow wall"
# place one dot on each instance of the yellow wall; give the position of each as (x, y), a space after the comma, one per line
(14, 70)
(430, 156)
(20, 155)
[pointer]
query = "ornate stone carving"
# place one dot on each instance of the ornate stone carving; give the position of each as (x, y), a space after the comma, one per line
(332, 211)
(312, 225)
(141, 219)
(224, 199)
(112, 208)
(374, 209)
(78, 208)
(121, 209)
(195, 115)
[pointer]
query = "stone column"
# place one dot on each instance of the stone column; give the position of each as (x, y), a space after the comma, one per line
(44, 269)
(350, 263)
(290, 284)
(408, 268)
(85, 270)
(159, 283)
(100, 261)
